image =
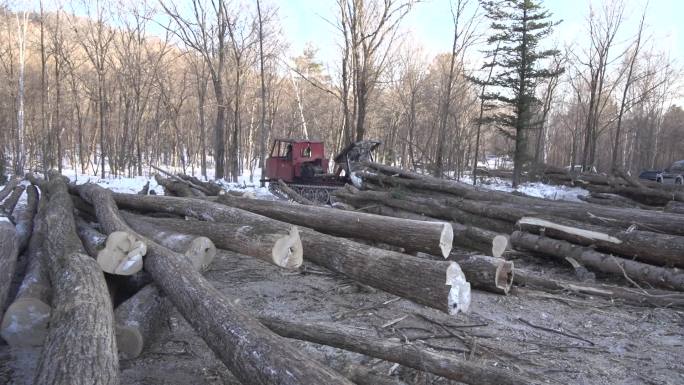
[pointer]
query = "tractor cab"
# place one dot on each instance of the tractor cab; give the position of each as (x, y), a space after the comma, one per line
(295, 161)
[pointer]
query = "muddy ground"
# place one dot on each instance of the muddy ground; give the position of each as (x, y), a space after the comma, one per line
(602, 342)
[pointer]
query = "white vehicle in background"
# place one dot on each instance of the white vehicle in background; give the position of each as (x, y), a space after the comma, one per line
(672, 175)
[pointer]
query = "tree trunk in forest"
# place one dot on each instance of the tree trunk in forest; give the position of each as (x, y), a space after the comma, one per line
(645, 246)
(383, 269)
(279, 246)
(80, 347)
(430, 237)
(659, 276)
(251, 352)
(443, 364)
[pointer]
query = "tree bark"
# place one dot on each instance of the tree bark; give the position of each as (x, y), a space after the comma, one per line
(8, 258)
(383, 269)
(24, 220)
(486, 273)
(80, 347)
(637, 297)
(279, 245)
(411, 355)
(8, 205)
(251, 352)
(645, 246)
(674, 207)
(430, 237)
(654, 275)
(174, 187)
(25, 322)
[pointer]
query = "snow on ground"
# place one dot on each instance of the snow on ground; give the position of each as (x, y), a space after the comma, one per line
(535, 189)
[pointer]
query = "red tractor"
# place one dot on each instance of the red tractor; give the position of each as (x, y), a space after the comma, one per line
(302, 165)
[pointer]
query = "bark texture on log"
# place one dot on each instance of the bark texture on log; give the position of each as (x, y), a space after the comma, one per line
(24, 219)
(208, 188)
(174, 187)
(200, 250)
(675, 207)
(361, 375)
(8, 205)
(430, 237)
(660, 276)
(26, 320)
(80, 347)
(8, 258)
(412, 355)
(250, 351)
(438, 285)
(486, 273)
(637, 297)
(645, 246)
(281, 247)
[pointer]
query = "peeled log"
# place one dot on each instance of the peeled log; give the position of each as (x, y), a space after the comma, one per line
(430, 237)
(280, 247)
(200, 250)
(660, 276)
(412, 355)
(438, 285)
(26, 320)
(250, 351)
(645, 246)
(80, 347)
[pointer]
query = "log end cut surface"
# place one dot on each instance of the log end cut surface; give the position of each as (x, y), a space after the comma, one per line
(201, 252)
(122, 254)
(129, 341)
(288, 251)
(26, 322)
(446, 240)
(459, 294)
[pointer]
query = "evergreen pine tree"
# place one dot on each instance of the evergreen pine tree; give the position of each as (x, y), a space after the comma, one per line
(517, 27)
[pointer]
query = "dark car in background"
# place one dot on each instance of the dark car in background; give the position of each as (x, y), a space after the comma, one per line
(672, 175)
(650, 175)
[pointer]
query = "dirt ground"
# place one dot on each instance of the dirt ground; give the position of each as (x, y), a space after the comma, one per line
(601, 342)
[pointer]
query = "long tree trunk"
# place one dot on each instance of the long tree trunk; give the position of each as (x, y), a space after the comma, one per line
(279, 246)
(430, 237)
(80, 347)
(251, 352)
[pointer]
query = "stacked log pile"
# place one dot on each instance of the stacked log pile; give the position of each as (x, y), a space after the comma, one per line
(640, 248)
(104, 270)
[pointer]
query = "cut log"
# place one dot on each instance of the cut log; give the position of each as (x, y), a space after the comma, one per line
(292, 194)
(438, 285)
(659, 276)
(8, 258)
(250, 351)
(412, 355)
(122, 254)
(25, 322)
(504, 206)
(138, 319)
(200, 250)
(208, 188)
(431, 237)
(80, 347)
(645, 246)
(636, 297)
(361, 375)
(8, 205)
(9, 187)
(282, 248)
(486, 273)
(174, 187)
(24, 218)
(674, 207)
(145, 190)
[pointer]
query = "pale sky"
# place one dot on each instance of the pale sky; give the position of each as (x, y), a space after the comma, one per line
(430, 25)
